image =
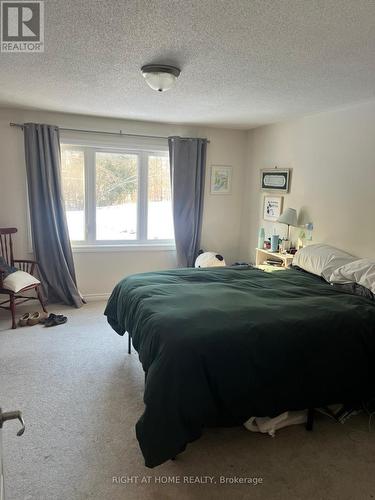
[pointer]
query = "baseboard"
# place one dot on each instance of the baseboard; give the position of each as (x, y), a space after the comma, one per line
(96, 297)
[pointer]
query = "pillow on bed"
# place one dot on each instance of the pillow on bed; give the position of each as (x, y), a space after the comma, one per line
(321, 259)
(361, 271)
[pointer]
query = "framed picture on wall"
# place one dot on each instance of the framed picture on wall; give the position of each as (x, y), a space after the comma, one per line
(275, 179)
(221, 179)
(272, 207)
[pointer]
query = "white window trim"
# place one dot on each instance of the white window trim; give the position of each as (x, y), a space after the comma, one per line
(142, 243)
(137, 247)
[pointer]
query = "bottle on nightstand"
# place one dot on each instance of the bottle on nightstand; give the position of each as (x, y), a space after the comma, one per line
(261, 237)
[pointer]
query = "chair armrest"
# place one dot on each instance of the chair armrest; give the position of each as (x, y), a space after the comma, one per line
(2, 274)
(25, 265)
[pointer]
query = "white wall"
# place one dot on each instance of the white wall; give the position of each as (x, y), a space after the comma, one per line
(333, 183)
(97, 273)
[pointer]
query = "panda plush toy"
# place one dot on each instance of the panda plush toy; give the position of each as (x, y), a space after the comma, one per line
(209, 259)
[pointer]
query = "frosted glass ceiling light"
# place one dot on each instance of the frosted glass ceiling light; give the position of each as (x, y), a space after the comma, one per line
(160, 77)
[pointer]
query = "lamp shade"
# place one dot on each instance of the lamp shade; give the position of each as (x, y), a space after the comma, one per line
(289, 216)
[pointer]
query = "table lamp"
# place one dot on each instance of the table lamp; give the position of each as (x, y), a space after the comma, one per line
(288, 217)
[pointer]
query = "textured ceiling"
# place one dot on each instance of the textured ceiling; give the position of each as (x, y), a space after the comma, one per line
(243, 62)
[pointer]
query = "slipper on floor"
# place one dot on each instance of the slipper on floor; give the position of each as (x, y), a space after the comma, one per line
(56, 320)
(24, 319)
(34, 319)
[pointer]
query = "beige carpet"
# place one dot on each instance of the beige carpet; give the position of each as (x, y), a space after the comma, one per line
(81, 394)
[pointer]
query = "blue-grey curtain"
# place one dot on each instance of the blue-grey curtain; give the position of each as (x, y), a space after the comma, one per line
(188, 166)
(51, 243)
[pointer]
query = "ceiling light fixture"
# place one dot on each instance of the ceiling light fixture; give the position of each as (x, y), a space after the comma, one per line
(160, 77)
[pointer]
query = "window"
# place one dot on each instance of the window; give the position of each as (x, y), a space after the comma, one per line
(159, 216)
(116, 197)
(73, 186)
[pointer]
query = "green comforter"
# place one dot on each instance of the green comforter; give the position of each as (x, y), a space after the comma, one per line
(220, 345)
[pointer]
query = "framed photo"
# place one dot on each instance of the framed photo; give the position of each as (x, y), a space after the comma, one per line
(275, 179)
(272, 207)
(221, 179)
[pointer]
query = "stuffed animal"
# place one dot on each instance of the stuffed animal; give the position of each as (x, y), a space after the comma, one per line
(209, 259)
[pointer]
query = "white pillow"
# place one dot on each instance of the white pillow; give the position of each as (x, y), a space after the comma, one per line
(361, 271)
(19, 280)
(321, 259)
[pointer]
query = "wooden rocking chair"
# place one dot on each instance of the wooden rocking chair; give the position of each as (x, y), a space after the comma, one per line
(6, 251)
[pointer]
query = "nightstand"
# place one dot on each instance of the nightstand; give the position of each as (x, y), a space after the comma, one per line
(262, 255)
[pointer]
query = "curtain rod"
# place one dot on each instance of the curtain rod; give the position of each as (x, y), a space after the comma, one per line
(120, 133)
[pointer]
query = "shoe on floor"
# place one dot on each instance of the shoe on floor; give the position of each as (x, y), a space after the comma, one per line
(50, 317)
(55, 320)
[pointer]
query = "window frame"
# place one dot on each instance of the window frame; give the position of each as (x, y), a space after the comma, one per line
(90, 243)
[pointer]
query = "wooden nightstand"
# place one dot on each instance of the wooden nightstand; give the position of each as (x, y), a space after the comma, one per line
(262, 255)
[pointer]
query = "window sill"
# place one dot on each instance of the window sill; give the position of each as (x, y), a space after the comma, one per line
(137, 247)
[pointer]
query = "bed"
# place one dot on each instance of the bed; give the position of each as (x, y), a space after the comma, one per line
(220, 345)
